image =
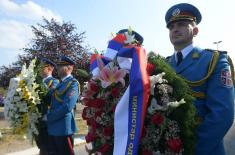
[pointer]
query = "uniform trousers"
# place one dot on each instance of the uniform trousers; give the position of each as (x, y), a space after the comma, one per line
(61, 145)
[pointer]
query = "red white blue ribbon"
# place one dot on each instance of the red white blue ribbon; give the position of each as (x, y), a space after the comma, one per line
(131, 109)
(138, 96)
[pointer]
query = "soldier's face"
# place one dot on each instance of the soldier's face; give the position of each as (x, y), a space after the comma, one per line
(62, 70)
(46, 71)
(182, 32)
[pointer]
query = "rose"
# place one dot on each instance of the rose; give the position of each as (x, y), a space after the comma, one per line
(93, 86)
(84, 113)
(98, 113)
(147, 152)
(91, 122)
(150, 68)
(175, 144)
(97, 103)
(90, 137)
(115, 92)
(108, 131)
(157, 119)
(87, 102)
(105, 148)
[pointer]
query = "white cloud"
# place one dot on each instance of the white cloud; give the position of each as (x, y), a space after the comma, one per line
(14, 34)
(15, 30)
(28, 10)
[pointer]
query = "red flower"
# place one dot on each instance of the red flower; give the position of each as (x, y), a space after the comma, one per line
(84, 113)
(175, 145)
(87, 101)
(98, 103)
(90, 137)
(108, 131)
(157, 119)
(115, 92)
(147, 152)
(98, 113)
(91, 122)
(105, 148)
(150, 69)
(93, 86)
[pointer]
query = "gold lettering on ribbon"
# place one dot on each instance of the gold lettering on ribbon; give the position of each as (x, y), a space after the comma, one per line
(133, 125)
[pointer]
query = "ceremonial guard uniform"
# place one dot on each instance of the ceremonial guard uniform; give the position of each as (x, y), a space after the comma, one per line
(49, 83)
(209, 75)
(60, 119)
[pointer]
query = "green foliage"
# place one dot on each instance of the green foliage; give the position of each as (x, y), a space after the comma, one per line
(82, 73)
(185, 113)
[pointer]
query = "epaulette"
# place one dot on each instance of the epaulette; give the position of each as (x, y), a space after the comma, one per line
(168, 58)
(229, 61)
(79, 87)
(212, 50)
(213, 62)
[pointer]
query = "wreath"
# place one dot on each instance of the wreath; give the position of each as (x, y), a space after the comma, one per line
(169, 121)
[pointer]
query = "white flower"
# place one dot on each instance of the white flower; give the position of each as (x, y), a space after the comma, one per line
(156, 79)
(129, 38)
(19, 102)
(176, 103)
(154, 106)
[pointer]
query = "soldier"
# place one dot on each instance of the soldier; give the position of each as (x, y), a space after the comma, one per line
(209, 75)
(49, 82)
(60, 118)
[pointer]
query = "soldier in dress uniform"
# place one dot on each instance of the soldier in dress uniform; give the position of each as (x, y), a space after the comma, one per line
(209, 75)
(60, 118)
(49, 82)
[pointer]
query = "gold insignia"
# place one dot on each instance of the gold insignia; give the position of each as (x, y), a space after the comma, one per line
(195, 55)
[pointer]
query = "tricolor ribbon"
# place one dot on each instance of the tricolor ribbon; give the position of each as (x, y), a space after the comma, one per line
(131, 109)
(111, 52)
(133, 104)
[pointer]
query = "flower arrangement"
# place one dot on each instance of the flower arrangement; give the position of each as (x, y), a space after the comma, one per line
(169, 123)
(100, 97)
(170, 120)
(22, 100)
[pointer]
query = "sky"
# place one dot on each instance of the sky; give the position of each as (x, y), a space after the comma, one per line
(100, 18)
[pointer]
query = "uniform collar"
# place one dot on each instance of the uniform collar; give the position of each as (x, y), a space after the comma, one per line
(66, 77)
(185, 51)
(44, 79)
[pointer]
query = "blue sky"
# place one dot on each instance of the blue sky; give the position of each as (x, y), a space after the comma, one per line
(101, 17)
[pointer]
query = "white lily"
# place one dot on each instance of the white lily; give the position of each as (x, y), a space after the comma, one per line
(176, 103)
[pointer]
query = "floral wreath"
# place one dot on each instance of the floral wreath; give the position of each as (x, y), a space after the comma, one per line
(169, 123)
(25, 100)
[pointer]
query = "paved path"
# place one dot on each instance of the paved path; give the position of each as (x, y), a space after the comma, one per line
(229, 141)
(79, 148)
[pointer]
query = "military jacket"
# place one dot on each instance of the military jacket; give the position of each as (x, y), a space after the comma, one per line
(60, 117)
(208, 74)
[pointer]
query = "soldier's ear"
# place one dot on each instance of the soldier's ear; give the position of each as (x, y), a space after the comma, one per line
(195, 31)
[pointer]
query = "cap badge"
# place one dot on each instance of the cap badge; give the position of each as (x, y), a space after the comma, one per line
(176, 12)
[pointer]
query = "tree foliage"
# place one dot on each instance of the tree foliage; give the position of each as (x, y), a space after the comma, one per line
(51, 40)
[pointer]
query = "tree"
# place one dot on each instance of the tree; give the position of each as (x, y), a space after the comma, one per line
(52, 39)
